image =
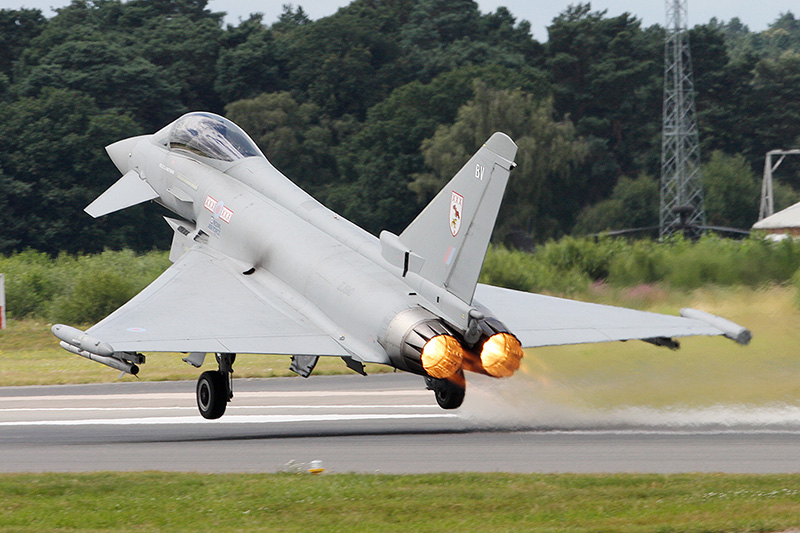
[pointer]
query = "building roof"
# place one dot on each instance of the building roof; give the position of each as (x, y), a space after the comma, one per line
(788, 218)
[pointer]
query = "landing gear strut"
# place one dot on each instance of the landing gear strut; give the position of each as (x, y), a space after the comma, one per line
(215, 388)
(449, 392)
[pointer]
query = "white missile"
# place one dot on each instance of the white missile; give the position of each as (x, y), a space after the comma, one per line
(82, 341)
(113, 362)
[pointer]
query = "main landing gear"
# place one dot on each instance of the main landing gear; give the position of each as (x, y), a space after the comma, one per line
(450, 391)
(215, 387)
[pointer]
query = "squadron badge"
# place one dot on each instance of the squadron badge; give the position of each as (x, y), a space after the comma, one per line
(456, 207)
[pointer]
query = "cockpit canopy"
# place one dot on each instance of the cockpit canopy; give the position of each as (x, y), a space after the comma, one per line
(211, 136)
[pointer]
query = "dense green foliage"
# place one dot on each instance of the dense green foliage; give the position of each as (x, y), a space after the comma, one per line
(85, 288)
(372, 108)
(76, 289)
(571, 264)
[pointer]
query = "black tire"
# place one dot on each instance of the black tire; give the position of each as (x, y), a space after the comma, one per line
(212, 394)
(449, 394)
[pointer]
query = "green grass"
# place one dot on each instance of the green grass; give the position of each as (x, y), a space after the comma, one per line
(704, 371)
(436, 502)
(30, 355)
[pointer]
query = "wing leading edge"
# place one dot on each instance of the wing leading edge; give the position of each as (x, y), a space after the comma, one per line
(204, 303)
(539, 320)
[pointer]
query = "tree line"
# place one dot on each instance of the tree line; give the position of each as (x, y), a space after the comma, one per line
(372, 109)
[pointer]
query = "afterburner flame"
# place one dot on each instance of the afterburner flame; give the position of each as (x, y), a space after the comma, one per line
(501, 355)
(442, 356)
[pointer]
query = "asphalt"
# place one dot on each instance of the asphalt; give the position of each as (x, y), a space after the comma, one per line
(383, 423)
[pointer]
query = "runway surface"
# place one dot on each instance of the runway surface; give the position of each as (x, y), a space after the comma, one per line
(383, 423)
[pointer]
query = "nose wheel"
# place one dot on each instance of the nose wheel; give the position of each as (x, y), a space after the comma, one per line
(215, 388)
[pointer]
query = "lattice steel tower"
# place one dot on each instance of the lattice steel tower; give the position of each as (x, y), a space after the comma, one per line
(681, 187)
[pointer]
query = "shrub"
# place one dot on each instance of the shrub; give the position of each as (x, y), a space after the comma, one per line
(685, 264)
(94, 294)
(86, 288)
(76, 289)
(30, 283)
(98, 284)
(523, 271)
(641, 262)
(589, 256)
(567, 265)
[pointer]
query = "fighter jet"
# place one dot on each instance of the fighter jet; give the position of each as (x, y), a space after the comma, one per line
(261, 267)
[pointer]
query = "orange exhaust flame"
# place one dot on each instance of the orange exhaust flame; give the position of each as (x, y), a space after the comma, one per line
(442, 356)
(501, 355)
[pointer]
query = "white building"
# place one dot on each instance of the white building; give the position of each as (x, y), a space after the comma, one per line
(786, 222)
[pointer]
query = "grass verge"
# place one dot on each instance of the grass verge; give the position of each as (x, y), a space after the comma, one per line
(434, 502)
(30, 355)
(704, 371)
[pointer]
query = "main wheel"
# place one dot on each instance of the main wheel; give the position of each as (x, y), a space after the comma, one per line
(449, 393)
(212, 394)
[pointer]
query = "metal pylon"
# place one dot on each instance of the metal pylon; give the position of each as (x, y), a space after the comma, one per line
(767, 196)
(681, 186)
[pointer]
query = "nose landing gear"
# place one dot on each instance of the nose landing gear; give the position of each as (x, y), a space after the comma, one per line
(215, 388)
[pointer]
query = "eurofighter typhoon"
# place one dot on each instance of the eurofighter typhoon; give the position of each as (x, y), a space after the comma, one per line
(261, 267)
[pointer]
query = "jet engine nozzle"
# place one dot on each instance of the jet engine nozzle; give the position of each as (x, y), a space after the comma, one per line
(497, 352)
(442, 356)
(418, 341)
(501, 355)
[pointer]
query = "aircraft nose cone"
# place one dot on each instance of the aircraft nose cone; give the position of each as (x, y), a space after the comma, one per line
(120, 153)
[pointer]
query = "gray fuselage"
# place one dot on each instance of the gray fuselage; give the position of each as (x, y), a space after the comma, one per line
(324, 266)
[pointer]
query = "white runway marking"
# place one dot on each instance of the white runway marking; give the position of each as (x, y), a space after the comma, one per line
(191, 395)
(230, 419)
(194, 408)
(56, 431)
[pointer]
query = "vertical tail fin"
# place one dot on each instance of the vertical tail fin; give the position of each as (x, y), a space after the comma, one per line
(451, 235)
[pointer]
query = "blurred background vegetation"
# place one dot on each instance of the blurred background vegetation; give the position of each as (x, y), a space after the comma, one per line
(82, 289)
(373, 108)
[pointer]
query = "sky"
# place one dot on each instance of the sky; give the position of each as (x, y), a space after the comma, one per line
(757, 15)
